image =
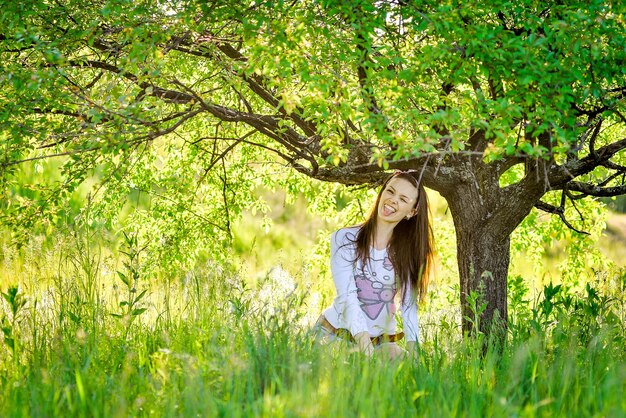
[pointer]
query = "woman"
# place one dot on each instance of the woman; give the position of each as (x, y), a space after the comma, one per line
(391, 250)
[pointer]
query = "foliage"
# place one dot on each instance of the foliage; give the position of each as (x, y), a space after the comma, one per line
(166, 116)
(561, 314)
(162, 101)
(131, 308)
(16, 302)
(541, 234)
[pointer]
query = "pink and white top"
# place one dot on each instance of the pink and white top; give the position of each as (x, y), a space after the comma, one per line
(366, 294)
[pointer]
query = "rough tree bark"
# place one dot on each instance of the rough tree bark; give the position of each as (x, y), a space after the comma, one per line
(483, 223)
(483, 254)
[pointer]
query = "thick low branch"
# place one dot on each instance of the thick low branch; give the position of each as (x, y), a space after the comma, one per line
(595, 190)
(561, 174)
(433, 176)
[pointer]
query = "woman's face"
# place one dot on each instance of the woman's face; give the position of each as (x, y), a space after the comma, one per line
(397, 200)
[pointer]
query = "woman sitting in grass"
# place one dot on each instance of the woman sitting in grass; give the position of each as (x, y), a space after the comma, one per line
(391, 250)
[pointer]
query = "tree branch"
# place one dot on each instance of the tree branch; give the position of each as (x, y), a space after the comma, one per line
(224, 179)
(366, 88)
(546, 207)
(257, 85)
(147, 137)
(188, 209)
(496, 88)
(477, 140)
(267, 125)
(165, 94)
(594, 137)
(561, 174)
(595, 190)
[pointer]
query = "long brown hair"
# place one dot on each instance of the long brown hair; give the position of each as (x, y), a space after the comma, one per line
(410, 248)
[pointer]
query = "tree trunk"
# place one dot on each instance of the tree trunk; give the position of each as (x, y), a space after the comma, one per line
(483, 259)
(483, 219)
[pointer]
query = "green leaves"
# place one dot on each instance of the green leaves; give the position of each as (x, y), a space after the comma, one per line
(9, 326)
(7, 331)
(124, 279)
(130, 308)
(15, 300)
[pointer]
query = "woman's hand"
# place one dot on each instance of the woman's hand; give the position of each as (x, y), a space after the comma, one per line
(390, 351)
(411, 348)
(364, 343)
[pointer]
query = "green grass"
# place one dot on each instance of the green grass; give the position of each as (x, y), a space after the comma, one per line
(234, 340)
(211, 345)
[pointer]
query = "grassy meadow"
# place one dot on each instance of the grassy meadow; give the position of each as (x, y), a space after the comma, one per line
(88, 332)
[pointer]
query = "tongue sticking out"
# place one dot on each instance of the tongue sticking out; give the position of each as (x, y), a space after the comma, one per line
(387, 210)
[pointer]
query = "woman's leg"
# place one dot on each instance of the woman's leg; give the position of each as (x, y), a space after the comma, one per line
(389, 351)
(324, 335)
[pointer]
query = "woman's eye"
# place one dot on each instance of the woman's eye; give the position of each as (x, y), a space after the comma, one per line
(403, 200)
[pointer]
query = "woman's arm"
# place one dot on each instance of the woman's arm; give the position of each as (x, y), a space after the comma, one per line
(364, 342)
(347, 304)
(410, 320)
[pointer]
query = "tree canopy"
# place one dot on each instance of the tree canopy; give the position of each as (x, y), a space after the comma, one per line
(191, 100)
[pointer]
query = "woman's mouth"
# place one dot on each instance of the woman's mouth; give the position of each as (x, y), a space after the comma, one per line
(388, 210)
